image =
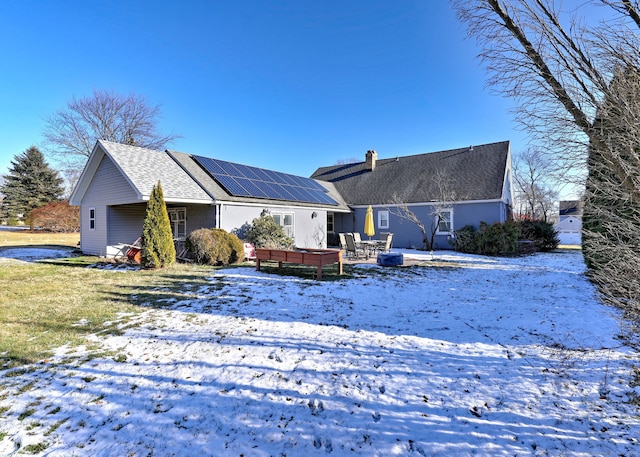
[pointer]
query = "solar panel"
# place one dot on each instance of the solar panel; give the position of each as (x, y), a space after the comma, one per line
(246, 181)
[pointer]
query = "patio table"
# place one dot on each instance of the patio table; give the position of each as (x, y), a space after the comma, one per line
(371, 246)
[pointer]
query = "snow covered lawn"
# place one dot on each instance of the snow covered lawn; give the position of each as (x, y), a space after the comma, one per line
(492, 357)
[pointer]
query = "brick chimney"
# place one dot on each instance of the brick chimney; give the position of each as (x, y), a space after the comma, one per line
(372, 157)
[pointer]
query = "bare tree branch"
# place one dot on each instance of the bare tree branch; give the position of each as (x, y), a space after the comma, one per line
(429, 228)
(576, 81)
(70, 134)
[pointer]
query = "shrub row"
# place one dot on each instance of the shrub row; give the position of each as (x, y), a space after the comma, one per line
(505, 238)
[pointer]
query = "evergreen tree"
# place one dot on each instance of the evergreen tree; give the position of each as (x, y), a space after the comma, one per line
(31, 183)
(158, 249)
(611, 219)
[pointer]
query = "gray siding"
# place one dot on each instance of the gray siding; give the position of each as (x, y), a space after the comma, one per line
(198, 216)
(125, 223)
(406, 234)
(310, 232)
(107, 185)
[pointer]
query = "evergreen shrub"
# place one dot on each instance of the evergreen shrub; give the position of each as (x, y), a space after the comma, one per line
(541, 233)
(498, 239)
(489, 239)
(465, 239)
(214, 247)
(266, 233)
(158, 249)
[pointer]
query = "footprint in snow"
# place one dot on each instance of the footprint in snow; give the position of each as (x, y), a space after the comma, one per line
(316, 407)
(320, 442)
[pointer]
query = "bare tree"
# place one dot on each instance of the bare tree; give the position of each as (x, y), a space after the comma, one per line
(535, 193)
(70, 134)
(572, 76)
(437, 213)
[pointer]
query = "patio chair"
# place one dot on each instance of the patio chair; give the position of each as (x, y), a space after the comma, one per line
(388, 242)
(356, 237)
(343, 242)
(353, 251)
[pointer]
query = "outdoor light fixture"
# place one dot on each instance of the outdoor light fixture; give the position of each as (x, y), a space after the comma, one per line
(314, 215)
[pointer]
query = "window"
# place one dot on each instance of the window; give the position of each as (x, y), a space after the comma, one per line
(178, 218)
(92, 218)
(330, 223)
(383, 219)
(445, 221)
(286, 221)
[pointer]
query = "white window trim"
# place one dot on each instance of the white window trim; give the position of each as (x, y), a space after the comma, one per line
(448, 232)
(381, 220)
(177, 210)
(289, 230)
(92, 218)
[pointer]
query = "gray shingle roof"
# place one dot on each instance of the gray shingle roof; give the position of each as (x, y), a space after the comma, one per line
(145, 167)
(475, 173)
(570, 208)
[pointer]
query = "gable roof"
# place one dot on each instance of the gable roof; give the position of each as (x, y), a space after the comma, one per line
(142, 168)
(570, 208)
(471, 173)
(182, 179)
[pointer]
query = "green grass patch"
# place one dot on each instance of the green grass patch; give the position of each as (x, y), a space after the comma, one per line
(97, 399)
(55, 426)
(45, 305)
(27, 413)
(38, 238)
(35, 448)
(55, 410)
(27, 387)
(33, 425)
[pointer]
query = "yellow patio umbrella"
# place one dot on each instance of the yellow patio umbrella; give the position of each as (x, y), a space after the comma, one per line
(369, 229)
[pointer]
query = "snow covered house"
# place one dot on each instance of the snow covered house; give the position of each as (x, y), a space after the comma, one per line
(116, 183)
(464, 186)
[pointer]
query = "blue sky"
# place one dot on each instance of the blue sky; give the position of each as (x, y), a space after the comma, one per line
(286, 85)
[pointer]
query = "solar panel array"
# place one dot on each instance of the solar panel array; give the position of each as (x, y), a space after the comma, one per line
(245, 181)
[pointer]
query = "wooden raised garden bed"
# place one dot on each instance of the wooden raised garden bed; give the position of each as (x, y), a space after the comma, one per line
(317, 257)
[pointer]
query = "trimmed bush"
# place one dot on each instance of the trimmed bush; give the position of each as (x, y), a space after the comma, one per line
(265, 232)
(489, 239)
(214, 247)
(541, 233)
(502, 239)
(498, 239)
(465, 240)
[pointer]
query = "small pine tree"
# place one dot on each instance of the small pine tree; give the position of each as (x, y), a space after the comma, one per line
(31, 183)
(158, 249)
